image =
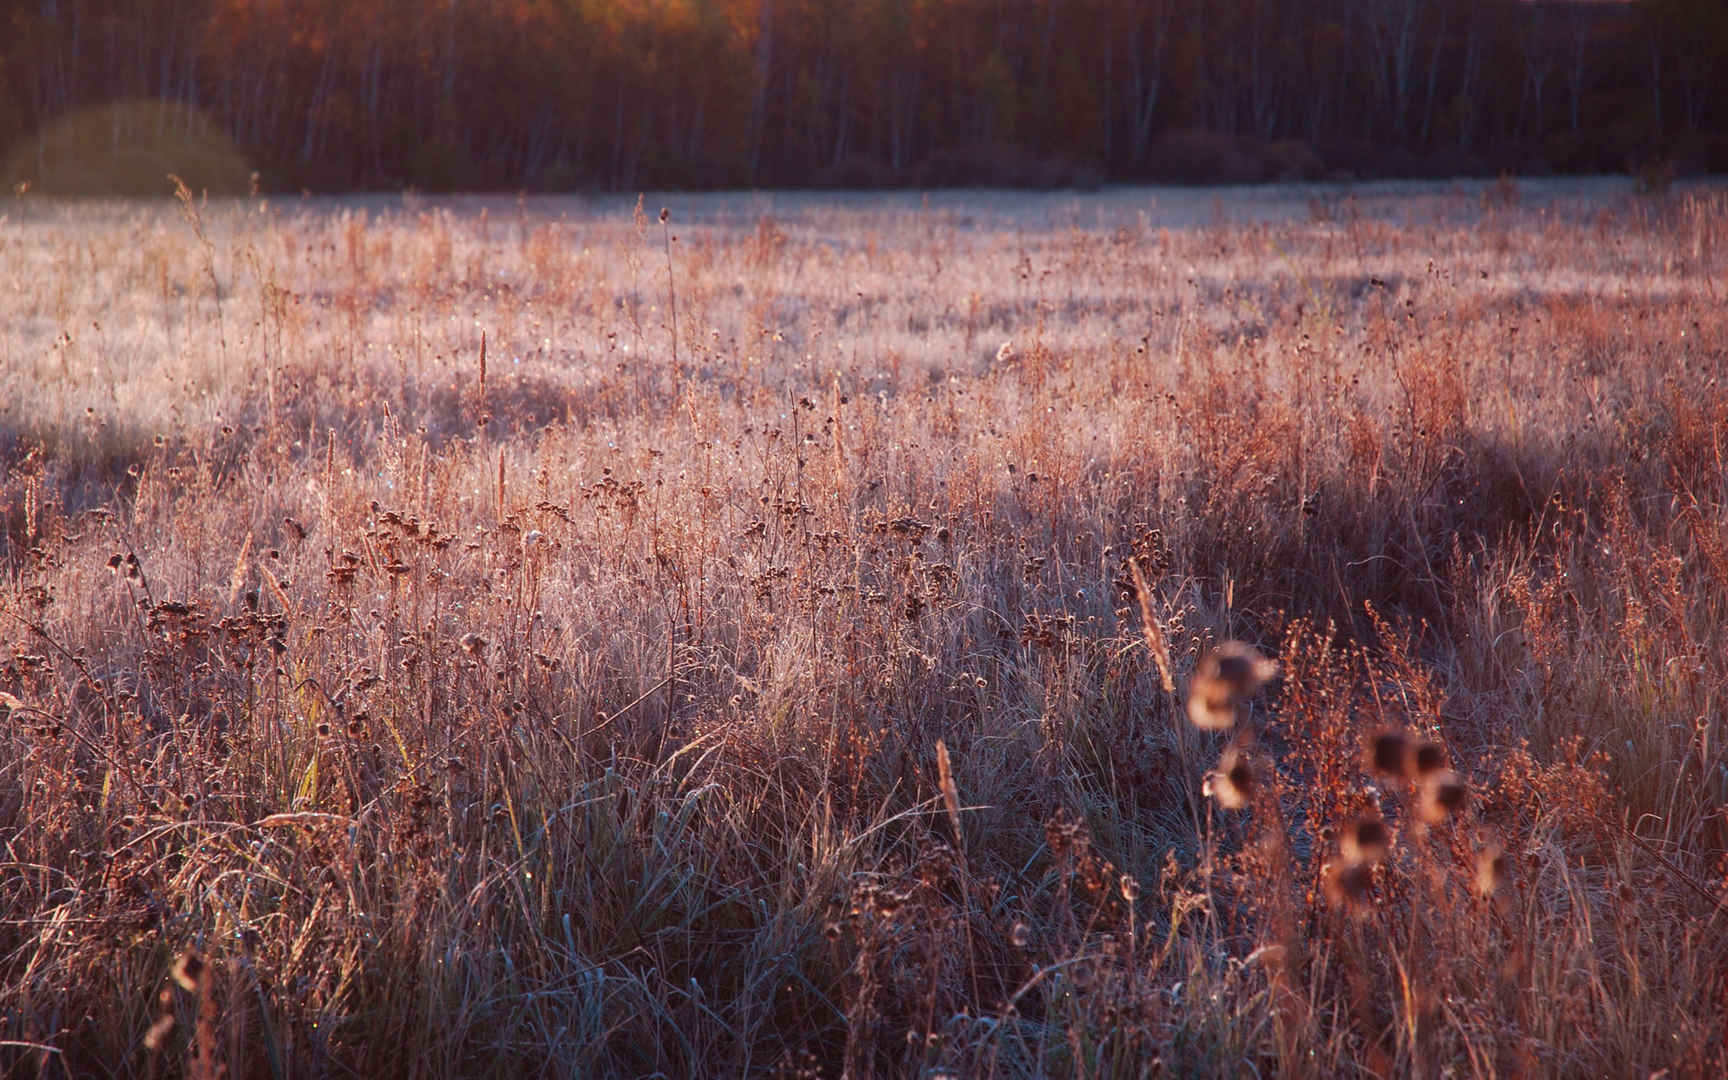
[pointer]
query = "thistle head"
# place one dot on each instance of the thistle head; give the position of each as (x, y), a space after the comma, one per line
(1232, 782)
(1229, 674)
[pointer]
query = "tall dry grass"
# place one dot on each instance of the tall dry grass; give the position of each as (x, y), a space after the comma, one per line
(419, 657)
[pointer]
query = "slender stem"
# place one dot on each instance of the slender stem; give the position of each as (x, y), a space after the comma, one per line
(671, 289)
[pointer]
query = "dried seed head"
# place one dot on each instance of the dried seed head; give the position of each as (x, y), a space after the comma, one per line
(473, 644)
(1347, 884)
(157, 1036)
(1229, 674)
(1389, 754)
(1232, 783)
(1366, 840)
(1430, 758)
(1021, 935)
(1130, 888)
(950, 793)
(187, 970)
(1443, 794)
(1491, 870)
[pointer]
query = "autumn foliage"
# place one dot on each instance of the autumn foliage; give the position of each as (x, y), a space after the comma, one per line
(625, 94)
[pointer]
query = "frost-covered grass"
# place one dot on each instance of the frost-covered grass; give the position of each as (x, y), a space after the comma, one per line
(499, 635)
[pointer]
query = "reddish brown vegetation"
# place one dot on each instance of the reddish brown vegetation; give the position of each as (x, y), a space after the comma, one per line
(786, 696)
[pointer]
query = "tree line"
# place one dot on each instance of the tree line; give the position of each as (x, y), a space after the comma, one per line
(625, 94)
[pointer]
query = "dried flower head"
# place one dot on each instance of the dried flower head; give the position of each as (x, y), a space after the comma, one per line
(1229, 674)
(1430, 758)
(1366, 840)
(1389, 753)
(1347, 884)
(1443, 794)
(1232, 783)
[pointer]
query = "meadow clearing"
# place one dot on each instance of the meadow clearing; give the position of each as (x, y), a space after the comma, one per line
(503, 637)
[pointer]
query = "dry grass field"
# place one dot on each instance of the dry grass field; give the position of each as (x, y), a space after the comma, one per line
(516, 638)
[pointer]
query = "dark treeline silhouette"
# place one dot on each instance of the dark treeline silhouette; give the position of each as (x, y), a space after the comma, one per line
(559, 94)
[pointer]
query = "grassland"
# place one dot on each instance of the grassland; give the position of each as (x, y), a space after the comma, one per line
(500, 638)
